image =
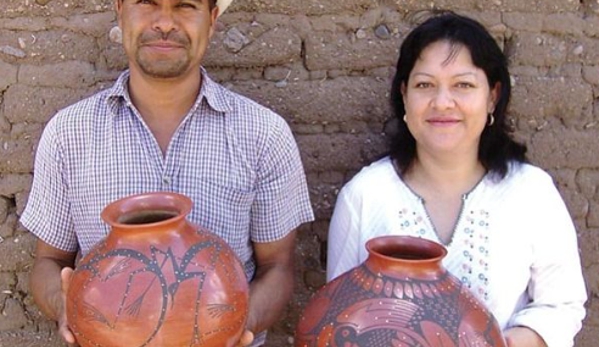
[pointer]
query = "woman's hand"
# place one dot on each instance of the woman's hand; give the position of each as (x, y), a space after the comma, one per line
(63, 329)
(523, 337)
(246, 339)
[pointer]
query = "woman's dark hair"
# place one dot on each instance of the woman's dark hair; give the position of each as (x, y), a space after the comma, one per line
(496, 148)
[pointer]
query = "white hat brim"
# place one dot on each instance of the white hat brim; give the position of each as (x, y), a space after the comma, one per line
(222, 5)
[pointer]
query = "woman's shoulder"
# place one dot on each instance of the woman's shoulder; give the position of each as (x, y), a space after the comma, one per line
(378, 175)
(527, 174)
(526, 181)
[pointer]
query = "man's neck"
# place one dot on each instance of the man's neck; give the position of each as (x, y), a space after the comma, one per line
(164, 100)
(163, 103)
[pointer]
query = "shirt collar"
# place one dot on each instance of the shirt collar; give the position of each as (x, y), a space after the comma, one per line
(214, 93)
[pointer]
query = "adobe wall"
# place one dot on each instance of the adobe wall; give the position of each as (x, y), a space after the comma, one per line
(325, 66)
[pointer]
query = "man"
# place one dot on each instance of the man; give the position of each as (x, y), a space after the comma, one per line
(165, 125)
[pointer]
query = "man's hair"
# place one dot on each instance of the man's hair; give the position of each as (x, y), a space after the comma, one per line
(496, 148)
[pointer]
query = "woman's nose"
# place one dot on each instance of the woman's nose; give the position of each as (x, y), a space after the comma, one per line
(443, 98)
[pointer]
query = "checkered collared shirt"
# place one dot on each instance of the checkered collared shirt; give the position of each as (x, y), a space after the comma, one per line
(235, 159)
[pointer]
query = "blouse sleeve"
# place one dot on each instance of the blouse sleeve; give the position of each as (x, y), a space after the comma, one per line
(344, 235)
(556, 286)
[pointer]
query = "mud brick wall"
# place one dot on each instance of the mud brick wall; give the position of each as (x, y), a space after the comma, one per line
(325, 66)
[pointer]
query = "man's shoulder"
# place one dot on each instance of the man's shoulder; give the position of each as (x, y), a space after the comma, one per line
(80, 119)
(98, 103)
(88, 106)
(239, 105)
(244, 105)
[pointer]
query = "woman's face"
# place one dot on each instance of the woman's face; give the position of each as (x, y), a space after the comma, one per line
(447, 100)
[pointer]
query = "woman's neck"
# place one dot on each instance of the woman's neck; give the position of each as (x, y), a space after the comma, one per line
(447, 175)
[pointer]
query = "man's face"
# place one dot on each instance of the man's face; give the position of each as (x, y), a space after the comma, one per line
(165, 38)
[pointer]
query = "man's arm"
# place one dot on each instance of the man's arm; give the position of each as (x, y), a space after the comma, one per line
(272, 287)
(48, 284)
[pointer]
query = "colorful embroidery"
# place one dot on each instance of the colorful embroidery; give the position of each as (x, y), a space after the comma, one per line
(470, 238)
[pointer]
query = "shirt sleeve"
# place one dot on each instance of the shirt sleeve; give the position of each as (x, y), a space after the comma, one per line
(282, 201)
(47, 213)
(344, 239)
(556, 287)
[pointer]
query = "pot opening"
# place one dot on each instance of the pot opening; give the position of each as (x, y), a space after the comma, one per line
(408, 253)
(146, 217)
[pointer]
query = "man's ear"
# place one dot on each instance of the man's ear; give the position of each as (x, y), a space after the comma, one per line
(118, 8)
(214, 13)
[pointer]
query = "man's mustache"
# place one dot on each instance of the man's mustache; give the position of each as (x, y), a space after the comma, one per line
(170, 36)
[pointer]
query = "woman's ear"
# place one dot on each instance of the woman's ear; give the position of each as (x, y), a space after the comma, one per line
(494, 96)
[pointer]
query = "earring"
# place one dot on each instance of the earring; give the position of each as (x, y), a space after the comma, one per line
(405, 118)
(491, 120)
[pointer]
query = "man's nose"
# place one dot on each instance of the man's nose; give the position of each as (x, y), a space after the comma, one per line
(164, 20)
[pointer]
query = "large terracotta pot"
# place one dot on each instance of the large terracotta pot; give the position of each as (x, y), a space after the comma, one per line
(157, 280)
(400, 296)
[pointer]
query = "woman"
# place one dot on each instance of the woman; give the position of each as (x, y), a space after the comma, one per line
(455, 176)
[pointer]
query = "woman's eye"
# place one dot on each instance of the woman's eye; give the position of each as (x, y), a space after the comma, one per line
(465, 85)
(421, 85)
(145, 2)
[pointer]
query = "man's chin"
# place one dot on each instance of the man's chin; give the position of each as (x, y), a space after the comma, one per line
(164, 72)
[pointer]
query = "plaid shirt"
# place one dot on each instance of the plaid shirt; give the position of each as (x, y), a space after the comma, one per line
(235, 159)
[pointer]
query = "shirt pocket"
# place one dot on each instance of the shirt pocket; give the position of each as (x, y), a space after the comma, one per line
(224, 211)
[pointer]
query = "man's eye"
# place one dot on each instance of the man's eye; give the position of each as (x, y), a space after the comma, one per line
(145, 2)
(187, 5)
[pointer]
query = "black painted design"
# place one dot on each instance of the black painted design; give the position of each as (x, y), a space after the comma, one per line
(121, 267)
(374, 310)
(218, 310)
(154, 264)
(94, 314)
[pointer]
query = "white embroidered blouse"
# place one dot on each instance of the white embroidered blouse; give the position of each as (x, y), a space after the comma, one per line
(514, 244)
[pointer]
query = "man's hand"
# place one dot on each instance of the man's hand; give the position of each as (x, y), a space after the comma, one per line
(523, 337)
(63, 329)
(246, 339)
(274, 269)
(49, 281)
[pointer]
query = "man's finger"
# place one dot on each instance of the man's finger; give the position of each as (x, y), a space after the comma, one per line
(65, 275)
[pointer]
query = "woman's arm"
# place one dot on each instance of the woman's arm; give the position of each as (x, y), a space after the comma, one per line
(523, 337)
(343, 237)
(556, 287)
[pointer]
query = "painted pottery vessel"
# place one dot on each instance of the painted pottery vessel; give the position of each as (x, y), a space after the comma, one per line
(400, 296)
(157, 280)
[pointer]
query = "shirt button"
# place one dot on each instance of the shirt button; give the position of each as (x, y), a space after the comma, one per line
(166, 180)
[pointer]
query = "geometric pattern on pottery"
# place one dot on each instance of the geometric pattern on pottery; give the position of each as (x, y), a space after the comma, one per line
(364, 309)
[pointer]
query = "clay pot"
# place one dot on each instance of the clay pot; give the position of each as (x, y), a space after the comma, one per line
(400, 296)
(157, 280)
